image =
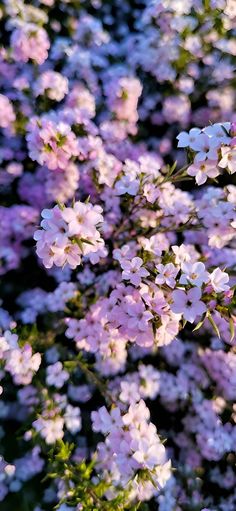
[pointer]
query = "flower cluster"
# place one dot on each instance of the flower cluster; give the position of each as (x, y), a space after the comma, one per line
(131, 446)
(69, 233)
(214, 149)
(51, 142)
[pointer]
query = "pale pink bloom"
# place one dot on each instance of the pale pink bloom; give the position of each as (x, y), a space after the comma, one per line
(30, 42)
(82, 219)
(138, 317)
(122, 97)
(7, 114)
(228, 159)
(151, 192)
(129, 392)
(203, 170)
(50, 430)
(156, 244)
(166, 274)
(134, 271)
(168, 330)
(104, 421)
(14, 168)
(194, 274)
(72, 418)
(149, 455)
(181, 253)
(54, 85)
(125, 252)
(188, 303)
(56, 375)
(219, 280)
(81, 100)
(51, 142)
(136, 414)
(22, 364)
(127, 184)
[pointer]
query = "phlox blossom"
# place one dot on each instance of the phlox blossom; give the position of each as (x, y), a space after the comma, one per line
(188, 303)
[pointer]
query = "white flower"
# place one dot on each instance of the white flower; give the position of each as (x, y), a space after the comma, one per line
(228, 159)
(187, 139)
(218, 280)
(205, 147)
(194, 274)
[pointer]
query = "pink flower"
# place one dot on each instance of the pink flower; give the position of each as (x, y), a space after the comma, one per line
(203, 170)
(51, 142)
(194, 274)
(68, 234)
(72, 418)
(122, 97)
(104, 421)
(181, 253)
(137, 413)
(56, 375)
(22, 364)
(50, 430)
(219, 280)
(129, 392)
(82, 219)
(52, 84)
(126, 184)
(188, 303)
(228, 159)
(138, 316)
(134, 271)
(30, 42)
(7, 114)
(166, 274)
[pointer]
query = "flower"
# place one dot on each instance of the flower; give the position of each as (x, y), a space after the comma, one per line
(188, 303)
(51, 142)
(188, 139)
(166, 274)
(82, 219)
(203, 170)
(22, 364)
(219, 279)
(72, 418)
(127, 184)
(194, 274)
(30, 42)
(205, 147)
(7, 114)
(52, 84)
(228, 159)
(56, 375)
(105, 422)
(67, 234)
(50, 430)
(134, 271)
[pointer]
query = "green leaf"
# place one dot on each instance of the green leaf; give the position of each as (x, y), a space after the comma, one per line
(79, 243)
(200, 323)
(231, 328)
(84, 240)
(60, 205)
(213, 324)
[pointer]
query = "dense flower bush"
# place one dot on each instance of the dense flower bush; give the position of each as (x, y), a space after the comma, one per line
(118, 255)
